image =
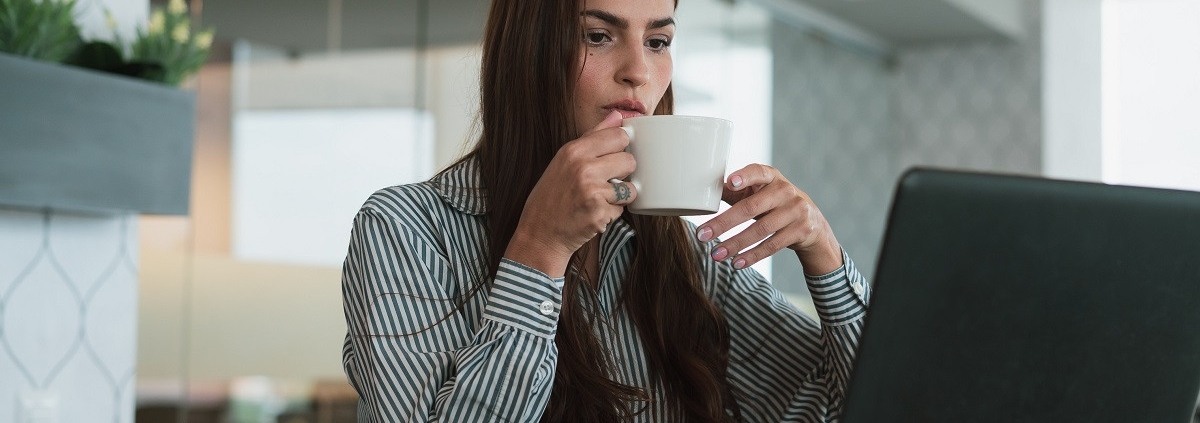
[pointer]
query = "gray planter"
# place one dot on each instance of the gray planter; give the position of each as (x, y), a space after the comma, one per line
(74, 139)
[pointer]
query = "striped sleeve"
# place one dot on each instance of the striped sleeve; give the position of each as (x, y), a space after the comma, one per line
(787, 366)
(413, 357)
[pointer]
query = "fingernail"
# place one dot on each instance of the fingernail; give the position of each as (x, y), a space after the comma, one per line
(704, 235)
(736, 181)
(740, 263)
(719, 253)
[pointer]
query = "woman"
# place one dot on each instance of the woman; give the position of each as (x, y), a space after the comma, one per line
(513, 286)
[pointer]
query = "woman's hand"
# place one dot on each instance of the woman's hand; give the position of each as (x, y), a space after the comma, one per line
(786, 218)
(574, 199)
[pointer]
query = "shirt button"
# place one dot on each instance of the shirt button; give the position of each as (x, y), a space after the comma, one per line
(547, 307)
(857, 288)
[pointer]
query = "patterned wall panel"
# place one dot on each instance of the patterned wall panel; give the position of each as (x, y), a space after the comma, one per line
(971, 105)
(831, 139)
(847, 125)
(68, 310)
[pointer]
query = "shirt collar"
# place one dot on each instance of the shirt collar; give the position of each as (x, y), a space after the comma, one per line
(460, 187)
(614, 239)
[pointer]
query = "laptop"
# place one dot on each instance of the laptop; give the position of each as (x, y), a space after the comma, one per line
(1014, 299)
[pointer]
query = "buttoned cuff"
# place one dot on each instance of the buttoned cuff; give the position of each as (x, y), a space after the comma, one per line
(840, 296)
(525, 298)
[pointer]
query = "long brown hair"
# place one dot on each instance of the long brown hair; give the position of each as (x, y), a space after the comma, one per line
(530, 55)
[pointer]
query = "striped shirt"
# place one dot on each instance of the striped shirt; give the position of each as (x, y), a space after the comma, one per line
(417, 250)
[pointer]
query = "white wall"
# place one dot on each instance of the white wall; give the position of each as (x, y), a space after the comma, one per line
(267, 78)
(370, 79)
(1121, 93)
(453, 98)
(1152, 93)
(1071, 93)
(68, 317)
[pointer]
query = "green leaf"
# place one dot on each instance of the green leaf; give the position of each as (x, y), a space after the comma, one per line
(43, 30)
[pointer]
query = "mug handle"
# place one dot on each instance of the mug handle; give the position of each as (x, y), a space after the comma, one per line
(628, 131)
(636, 185)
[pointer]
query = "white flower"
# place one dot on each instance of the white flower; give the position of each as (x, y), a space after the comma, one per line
(109, 21)
(180, 33)
(157, 21)
(177, 7)
(204, 40)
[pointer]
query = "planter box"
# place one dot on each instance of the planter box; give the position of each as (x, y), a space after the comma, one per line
(75, 139)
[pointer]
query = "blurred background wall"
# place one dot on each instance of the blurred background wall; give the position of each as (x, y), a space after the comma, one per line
(306, 108)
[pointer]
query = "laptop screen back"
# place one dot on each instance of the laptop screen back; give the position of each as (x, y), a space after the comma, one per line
(1009, 299)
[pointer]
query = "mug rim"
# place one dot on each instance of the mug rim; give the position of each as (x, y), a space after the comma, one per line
(685, 117)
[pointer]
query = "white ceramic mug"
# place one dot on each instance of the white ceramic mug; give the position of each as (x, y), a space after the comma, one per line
(680, 163)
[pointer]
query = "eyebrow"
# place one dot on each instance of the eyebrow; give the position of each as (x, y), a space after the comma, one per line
(620, 22)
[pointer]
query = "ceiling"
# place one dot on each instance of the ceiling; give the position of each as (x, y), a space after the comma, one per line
(909, 22)
(304, 26)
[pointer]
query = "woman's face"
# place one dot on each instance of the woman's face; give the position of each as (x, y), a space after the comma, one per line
(625, 59)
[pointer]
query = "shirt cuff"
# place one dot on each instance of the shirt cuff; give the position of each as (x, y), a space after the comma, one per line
(840, 296)
(525, 298)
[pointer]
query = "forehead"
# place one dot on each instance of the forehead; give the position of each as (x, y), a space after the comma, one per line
(632, 9)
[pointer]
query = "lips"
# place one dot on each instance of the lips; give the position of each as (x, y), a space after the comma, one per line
(628, 108)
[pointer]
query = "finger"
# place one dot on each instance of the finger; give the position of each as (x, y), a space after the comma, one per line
(758, 231)
(764, 249)
(622, 193)
(744, 210)
(613, 120)
(596, 173)
(613, 214)
(616, 165)
(750, 176)
(596, 144)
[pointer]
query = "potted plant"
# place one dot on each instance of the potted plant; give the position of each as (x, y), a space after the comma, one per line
(41, 30)
(75, 135)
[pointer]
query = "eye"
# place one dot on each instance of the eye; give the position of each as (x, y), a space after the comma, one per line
(596, 38)
(658, 44)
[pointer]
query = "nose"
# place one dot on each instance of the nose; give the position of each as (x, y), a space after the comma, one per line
(634, 70)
